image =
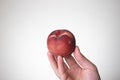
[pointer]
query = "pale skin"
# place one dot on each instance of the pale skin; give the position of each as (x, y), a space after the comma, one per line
(76, 67)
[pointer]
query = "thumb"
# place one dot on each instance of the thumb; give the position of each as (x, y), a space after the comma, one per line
(82, 60)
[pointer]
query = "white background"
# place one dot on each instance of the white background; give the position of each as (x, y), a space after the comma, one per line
(25, 25)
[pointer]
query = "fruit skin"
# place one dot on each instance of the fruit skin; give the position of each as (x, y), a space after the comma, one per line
(61, 42)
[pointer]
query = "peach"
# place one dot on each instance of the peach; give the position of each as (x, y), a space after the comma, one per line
(61, 42)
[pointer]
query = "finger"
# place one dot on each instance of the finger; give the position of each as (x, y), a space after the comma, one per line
(71, 62)
(65, 64)
(61, 65)
(82, 60)
(53, 62)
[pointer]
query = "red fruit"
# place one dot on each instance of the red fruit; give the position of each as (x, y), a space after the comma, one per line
(61, 42)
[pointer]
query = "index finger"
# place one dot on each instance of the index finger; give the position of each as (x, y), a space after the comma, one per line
(52, 61)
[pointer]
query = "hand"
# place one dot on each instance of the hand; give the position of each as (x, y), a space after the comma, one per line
(74, 68)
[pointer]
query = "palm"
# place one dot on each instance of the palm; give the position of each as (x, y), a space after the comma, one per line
(72, 74)
(80, 75)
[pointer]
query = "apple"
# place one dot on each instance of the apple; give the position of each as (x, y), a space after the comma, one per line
(61, 42)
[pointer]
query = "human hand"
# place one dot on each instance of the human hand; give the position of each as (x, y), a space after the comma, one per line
(74, 68)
